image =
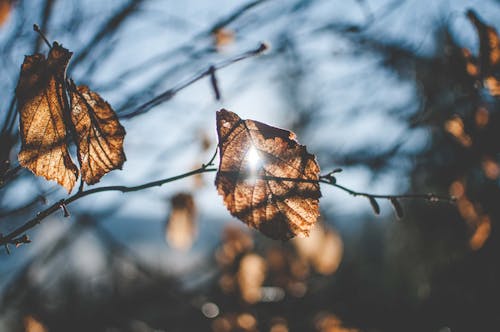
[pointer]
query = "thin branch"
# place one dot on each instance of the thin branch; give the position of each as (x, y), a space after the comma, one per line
(187, 47)
(10, 174)
(170, 93)
(19, 233)
(108, 29)
(429, 196)
(13, 237)
(47, 11)
(235, 15)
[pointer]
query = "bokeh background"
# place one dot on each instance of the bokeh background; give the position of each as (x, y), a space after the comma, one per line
(378, 88)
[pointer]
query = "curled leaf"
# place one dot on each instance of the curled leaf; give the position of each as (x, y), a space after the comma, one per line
(48, 123)
(397, 207)
(99, 134)
(42, 104)
(374, 204)
(267, 179)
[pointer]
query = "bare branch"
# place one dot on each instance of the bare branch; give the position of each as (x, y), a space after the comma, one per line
(63, 203)
(170, 93)
(108, 29)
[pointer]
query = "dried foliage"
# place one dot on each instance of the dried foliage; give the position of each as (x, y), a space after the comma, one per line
(31, 324)
(181, 225)
(223, 37)
(99, 134)
(267, 179)
(323, 250)
(487, 66)
(48, 121)
(270, 182)
(5, 9)
(42, 106)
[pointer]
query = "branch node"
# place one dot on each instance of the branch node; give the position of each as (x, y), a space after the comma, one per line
(264, 46)
(329, 176)
(21, 240)
(62, 205)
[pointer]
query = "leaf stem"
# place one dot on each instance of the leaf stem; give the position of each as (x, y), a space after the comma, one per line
(37, 29)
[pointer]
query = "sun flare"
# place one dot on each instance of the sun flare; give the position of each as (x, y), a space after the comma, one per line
(253, 159)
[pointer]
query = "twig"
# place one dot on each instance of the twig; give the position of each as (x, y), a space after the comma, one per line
(187, 47)
(393, 199)
(429, 196)
(108, 29)
(236, 14)
(10, 174)
(63, 203)
(170, 93)
(36, 28)
(47, 13)
(14, 236)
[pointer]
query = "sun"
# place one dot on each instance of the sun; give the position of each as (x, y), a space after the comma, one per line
(253, 159)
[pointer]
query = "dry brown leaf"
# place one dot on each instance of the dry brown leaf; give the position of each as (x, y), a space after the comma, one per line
(470, 63)
(99, 134)
(41, 103)
(266, 178)
(323, 249)
(181, 230)
(223, 37)
(489, 54)
(31, 324)
(47, 123)
(5, 9)
(250, 276)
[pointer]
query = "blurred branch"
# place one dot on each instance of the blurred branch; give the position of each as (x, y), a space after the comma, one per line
(107, 30)
(170, 93)
(34, 202)
(20, 283)
(187, 47)
(235, 15)
(371, 16)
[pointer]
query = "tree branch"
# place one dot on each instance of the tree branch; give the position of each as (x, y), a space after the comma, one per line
(170, 93)
(18, 236)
